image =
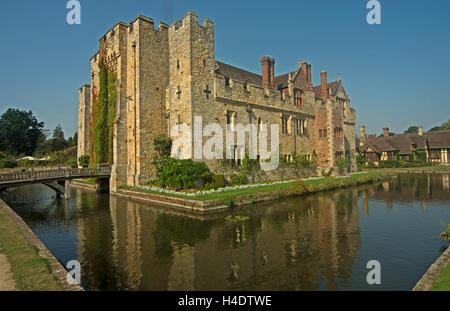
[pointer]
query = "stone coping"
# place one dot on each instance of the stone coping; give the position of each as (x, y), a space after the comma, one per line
(217, 205)
(92, 187)
(57, 269)
(174, 202)
(432, 274)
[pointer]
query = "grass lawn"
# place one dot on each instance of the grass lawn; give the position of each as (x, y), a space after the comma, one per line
(30, 271)
(90, 181)
(443, 282)
(315, 184)
(424, 168)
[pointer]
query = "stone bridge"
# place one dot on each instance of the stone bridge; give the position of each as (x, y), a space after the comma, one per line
(56, 179)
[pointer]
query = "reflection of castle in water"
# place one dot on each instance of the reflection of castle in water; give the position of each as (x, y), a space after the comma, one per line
(296, 244)
(305, 243)
(409, 188)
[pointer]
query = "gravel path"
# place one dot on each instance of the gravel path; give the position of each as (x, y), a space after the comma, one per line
(6, 279)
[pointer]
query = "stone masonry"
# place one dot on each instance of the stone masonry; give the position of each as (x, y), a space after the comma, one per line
(169, 75)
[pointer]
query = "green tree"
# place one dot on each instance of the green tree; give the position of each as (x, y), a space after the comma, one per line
(44, 145)
(412, 129)
(19, 132)
(443, 127)
(58, 140)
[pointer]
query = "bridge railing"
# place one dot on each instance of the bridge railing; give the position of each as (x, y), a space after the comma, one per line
(57, 173)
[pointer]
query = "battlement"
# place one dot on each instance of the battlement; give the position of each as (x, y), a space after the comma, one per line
(84, 87)
(191, 19)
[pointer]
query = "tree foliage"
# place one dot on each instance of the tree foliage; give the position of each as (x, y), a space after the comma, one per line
(443, 127)
(412, 129)
(19, 132)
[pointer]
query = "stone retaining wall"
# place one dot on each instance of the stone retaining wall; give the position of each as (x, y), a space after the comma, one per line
(57, 269)
(432, 274)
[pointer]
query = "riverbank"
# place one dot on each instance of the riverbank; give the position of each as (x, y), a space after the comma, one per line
(32, 266)
(426, 169)
(437, 277)
(213, 201)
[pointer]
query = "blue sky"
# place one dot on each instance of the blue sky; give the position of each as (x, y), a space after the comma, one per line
(397, 73)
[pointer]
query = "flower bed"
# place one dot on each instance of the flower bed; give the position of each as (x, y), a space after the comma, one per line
(212, 191)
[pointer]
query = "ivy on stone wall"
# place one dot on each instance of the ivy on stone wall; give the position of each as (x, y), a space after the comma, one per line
(104, 115)
(112, 78)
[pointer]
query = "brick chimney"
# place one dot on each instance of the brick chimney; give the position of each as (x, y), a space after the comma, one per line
(265, 63)
(309, 73)
(324, 85)
(305, 68)
(362, 132)
(272, 72)
(385, 131)
(420, 130)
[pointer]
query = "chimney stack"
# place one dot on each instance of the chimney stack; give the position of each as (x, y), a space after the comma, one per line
(305, 68)
(265, 63)
(268, 71)
(385, 131)
(420, 130)
(272, 72)
(309, 73)
(362, 135)
(324, 85)
(362, 132)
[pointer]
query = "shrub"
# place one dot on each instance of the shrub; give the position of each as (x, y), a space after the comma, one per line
(371, 165)
(302, 163)
(446, 233)
(84, 160)
(421, 155)
(298, 188)
(239, 179)
(3, 156)
(184, 174)
(342, 165)
(5, 163)
(72, 163)
(325, 173)
(390, 164)
(218, 181)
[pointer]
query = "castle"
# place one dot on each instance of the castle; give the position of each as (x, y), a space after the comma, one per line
(169, 75)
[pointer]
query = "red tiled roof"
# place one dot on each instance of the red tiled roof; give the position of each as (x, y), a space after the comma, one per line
(236, 73)
(333, 86)
(404, 143)
(439, 139)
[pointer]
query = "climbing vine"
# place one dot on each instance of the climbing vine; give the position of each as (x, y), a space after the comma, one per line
(103, 116)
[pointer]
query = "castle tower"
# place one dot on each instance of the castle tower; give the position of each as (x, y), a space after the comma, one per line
(147, 79)
(191, 72)
(84, 114)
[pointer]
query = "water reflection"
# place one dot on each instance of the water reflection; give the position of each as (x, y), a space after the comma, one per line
(317, 242)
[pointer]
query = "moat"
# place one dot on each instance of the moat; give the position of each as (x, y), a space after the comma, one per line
(316, 242)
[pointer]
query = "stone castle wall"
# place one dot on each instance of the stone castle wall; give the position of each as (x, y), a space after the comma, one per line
(84, 107)
(167, 76)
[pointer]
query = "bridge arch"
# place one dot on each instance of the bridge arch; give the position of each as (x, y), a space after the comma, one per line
(56, 179)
